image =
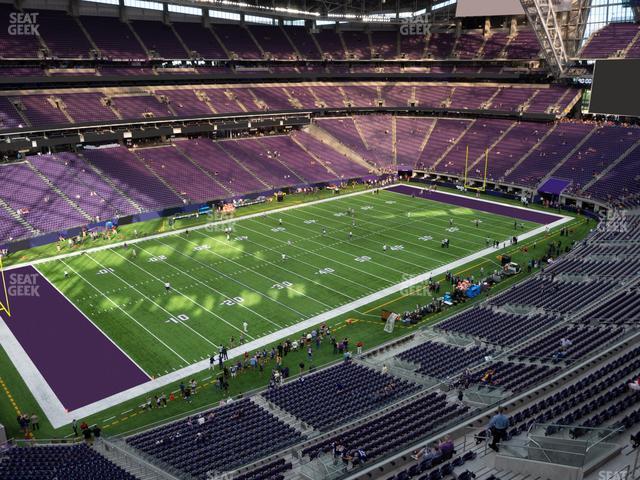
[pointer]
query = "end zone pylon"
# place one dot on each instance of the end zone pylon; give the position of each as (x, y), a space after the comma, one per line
(4, 303)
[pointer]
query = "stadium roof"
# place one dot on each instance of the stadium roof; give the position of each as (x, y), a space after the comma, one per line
(371, 10)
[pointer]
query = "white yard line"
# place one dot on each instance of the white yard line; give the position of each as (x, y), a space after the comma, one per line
(152, 301)
(315, 254)
(322, 247)
(295, 258)
(209, 287)
(271, 279)
(382, 228)
(440, 192)
(292, 258)
(100, 292)
(371, 250)
(59, 417)
(229, 277)
(174, 289)
(500, 225)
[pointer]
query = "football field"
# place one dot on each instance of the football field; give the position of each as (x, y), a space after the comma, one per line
(218, 285)
(255, 283)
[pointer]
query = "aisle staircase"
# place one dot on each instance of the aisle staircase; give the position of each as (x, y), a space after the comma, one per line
(199, 167)
(4, 205)
(59, 192)
(340, 147)
(453, 145)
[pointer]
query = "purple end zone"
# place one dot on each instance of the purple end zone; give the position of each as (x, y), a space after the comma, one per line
(475, 204)
(80, 364)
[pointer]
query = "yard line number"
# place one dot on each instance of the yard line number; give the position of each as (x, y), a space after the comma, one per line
(282, 285)
(177, 319)
(232, 301)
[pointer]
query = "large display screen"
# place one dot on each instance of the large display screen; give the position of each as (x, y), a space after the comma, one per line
(615, 87)
(488, 8)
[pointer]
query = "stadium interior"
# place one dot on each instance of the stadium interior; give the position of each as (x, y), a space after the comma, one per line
(319, 239)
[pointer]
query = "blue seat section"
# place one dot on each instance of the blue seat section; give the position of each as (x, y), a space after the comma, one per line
(497, 327)
(590, 402)
(336, 394)
(441, 360)
(58, 462)
(217, 440)
(391, 431)
(515, 377)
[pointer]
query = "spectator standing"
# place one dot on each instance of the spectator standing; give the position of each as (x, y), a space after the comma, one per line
(35, 422)
(446, 447)
(498, 426)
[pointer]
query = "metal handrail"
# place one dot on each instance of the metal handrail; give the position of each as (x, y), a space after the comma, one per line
(540, 447)
(141, 462)
(616, 431)
(21, 442)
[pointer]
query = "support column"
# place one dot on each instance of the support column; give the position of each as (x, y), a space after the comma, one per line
(122, 11)
(73, 8)
(542, 18)
(206, 19)
(165, 13)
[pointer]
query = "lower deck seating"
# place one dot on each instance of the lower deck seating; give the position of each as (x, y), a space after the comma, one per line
(441, 360)
(344, 391)
(395, 429)
(218, 440)
(593, 392)
(496, 327)
(58, 462)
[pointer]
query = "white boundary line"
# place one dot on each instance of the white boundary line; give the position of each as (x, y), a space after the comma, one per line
(182, 230)
(39, 387)
(59, 417)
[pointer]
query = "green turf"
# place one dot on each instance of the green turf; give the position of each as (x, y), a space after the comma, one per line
(217, 284)
(368, 328)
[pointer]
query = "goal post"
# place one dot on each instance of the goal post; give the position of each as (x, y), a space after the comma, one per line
(484, 177)
(4, 302)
